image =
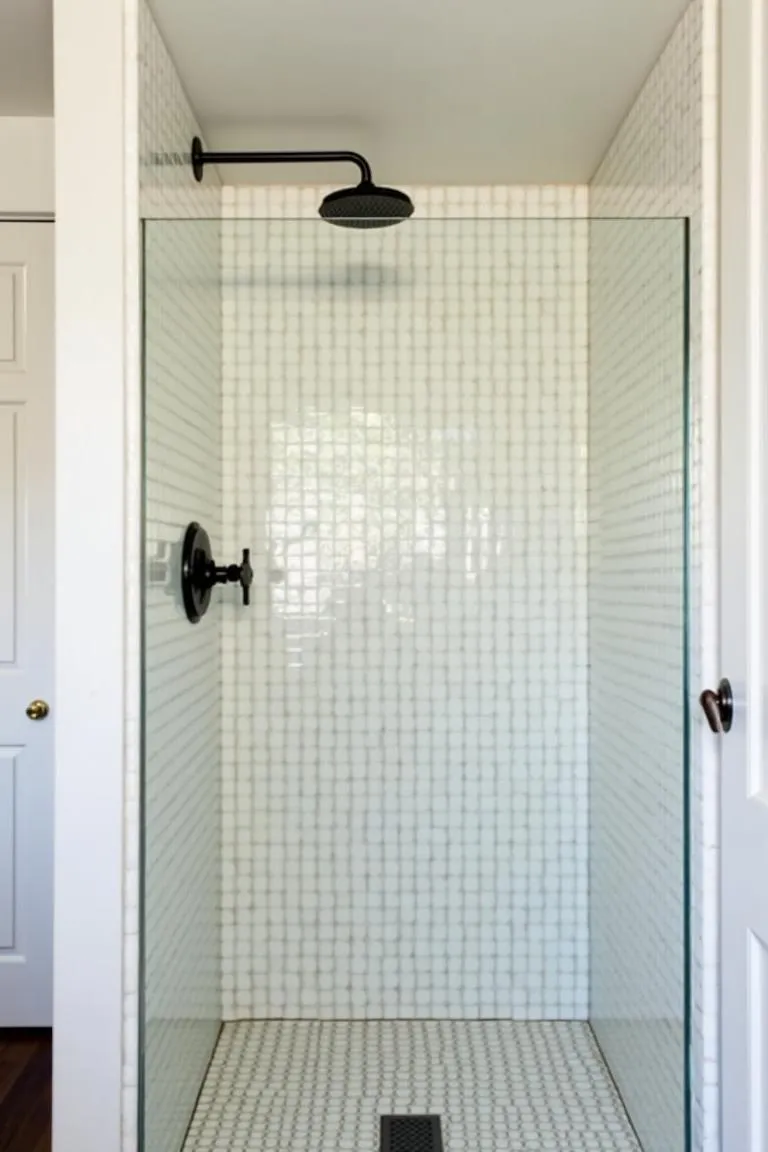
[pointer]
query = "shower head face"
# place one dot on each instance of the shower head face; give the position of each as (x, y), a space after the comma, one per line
(366, 206)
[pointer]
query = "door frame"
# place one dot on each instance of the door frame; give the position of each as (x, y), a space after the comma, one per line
(743, 304)
(98, 472)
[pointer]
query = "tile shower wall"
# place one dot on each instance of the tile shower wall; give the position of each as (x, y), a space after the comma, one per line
(405, 777)
(663, 162)
(181, 784)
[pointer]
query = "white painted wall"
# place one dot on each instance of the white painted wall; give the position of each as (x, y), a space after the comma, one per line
(27, 170)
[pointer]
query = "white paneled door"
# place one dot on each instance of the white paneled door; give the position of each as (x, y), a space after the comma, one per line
(26, 622)
(744, 575)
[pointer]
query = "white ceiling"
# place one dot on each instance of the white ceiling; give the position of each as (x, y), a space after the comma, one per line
(26, 58)
(434, 91)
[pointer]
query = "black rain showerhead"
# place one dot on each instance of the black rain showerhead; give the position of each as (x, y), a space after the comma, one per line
(366, 206)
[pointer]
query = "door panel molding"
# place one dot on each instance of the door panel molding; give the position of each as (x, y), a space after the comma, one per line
(8, 761)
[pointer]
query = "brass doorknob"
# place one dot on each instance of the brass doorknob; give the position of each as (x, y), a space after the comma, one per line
(37, 710)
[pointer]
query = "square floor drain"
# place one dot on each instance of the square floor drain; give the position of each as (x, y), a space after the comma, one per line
(411, 1134)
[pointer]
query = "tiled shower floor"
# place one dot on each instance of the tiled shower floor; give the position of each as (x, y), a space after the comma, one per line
(306, 1086)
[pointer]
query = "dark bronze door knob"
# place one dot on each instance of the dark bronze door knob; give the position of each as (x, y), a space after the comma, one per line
(718, 707)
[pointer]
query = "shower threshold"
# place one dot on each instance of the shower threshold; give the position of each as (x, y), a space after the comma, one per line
(323, 1086)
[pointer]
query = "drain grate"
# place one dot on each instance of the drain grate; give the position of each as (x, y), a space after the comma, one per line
(411, 1134)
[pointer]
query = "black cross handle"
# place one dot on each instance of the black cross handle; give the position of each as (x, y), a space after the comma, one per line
(241, 574)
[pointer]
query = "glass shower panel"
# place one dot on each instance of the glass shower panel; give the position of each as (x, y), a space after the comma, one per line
(375, 793)
(181, 786)
(638, 546)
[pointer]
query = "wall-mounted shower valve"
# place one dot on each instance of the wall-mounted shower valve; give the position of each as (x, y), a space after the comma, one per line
(200, 573)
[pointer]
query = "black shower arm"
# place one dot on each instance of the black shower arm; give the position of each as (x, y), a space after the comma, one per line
(200, 158)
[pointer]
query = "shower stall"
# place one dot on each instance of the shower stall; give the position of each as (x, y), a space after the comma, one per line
(414, 817)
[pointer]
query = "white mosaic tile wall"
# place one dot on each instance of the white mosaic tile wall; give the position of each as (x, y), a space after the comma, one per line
(182, 664)
(167, 124)
(663, 162)
(405, 779)
(636, 612)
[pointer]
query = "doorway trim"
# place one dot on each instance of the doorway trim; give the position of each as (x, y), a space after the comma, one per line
(97, 637)
(743, 304)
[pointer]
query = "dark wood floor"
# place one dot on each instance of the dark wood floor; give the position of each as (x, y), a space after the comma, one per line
(25, 1090)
